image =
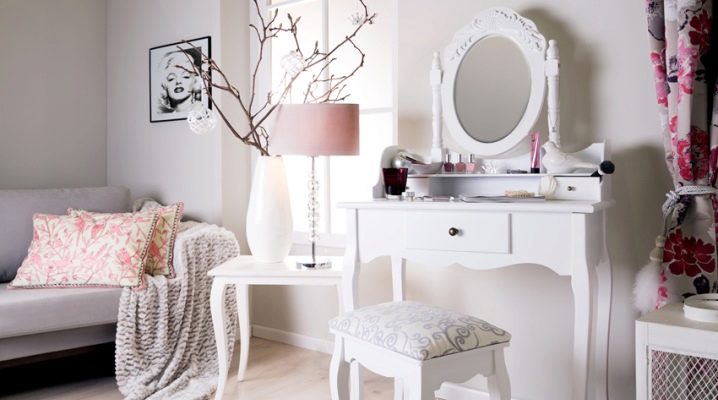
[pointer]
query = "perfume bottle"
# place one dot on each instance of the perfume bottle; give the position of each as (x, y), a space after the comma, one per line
(460, 166)
(448, 165)
(471, 167)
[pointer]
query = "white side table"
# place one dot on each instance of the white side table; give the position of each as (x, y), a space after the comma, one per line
(676, 358)
(243, 271)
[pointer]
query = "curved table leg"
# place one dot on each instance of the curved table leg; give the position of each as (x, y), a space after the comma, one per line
(217, 307)
(244, 328)
(583, 286)
(603, 323)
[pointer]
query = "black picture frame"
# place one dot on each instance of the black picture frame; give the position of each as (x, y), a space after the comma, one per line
(173, 92)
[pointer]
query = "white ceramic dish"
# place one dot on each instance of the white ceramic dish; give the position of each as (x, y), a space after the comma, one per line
(426, 169)
(702, 307)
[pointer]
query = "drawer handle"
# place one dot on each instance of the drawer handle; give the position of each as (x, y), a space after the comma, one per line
(453, 231)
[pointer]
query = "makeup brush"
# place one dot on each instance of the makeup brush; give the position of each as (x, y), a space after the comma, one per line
(605, 168)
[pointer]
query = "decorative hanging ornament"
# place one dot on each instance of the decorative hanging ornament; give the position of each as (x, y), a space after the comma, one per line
(292, 63)
(201, 120)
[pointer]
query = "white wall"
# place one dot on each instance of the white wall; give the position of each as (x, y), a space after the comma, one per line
(52, 93)
(164, 160)
(236, 158)
(606, 94)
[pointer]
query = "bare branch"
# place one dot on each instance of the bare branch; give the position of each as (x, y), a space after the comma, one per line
(322, 86)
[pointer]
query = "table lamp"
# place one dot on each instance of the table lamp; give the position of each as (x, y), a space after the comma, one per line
(322, 129)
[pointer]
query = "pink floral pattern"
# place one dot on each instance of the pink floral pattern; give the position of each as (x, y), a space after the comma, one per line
(700, 31)
(687, 59)
(682, 57)
(688, 255)
(161, 246)
(693, 155)
(659, 72)
(77, 250)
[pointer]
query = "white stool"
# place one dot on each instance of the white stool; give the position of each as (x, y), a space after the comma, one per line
(676, 358)
(419, 345)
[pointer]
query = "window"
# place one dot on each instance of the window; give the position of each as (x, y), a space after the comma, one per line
(342, 178)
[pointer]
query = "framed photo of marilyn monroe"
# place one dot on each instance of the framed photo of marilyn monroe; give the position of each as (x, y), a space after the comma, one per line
(174, 91)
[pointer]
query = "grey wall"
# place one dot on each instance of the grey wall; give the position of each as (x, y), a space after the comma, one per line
(163, 160)
(52, 93)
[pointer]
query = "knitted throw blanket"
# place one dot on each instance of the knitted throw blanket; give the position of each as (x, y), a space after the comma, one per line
(165, 346)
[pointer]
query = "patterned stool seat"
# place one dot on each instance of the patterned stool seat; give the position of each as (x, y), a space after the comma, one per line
(418, 330)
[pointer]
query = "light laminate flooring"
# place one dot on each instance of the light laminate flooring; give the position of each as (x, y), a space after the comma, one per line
(275, 371)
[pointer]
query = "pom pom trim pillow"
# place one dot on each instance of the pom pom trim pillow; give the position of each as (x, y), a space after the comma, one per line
(161, 251)
(80, 251)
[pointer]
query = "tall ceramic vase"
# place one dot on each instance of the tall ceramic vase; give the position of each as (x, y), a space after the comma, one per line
(269, 215)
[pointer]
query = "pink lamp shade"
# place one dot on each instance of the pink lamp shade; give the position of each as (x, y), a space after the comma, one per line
(324, 129)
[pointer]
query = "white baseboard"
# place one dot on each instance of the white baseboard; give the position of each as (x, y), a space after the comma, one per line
(455, 391)
(294, 339)
(448, 390)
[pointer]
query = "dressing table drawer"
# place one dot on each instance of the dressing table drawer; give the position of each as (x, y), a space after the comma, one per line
(458, 231)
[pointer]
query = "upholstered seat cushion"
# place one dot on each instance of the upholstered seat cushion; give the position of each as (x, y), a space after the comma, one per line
(418, 330)
(32, 311)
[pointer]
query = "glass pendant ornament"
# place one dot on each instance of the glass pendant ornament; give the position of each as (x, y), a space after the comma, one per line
(201, 120)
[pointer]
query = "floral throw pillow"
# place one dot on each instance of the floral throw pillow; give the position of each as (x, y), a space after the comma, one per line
(79, 251)
(161, 249)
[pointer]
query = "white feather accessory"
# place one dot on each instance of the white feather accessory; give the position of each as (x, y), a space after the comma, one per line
(648, 279)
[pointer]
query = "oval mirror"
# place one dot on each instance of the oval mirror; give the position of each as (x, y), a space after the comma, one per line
(491, 97)
(493, 83)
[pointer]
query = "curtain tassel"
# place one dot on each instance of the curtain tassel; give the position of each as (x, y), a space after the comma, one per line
(648, 280)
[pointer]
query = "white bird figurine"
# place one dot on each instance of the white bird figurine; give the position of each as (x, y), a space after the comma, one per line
(557, 162)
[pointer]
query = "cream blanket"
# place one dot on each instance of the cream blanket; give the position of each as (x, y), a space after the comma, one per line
(165, 346)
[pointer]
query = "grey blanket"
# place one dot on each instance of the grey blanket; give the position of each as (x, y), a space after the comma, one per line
(165, 346)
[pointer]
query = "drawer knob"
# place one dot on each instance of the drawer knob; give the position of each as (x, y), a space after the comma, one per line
(453, 231)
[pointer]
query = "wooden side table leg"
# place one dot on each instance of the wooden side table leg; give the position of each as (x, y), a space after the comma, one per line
(244, 328)
(217, 307)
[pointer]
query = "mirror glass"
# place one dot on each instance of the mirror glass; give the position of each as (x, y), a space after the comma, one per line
(492, 88)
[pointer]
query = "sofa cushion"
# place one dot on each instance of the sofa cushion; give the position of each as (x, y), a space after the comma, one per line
(18, 206)
(417, 330)
(30, 311)
(160, 256)
(87, 250)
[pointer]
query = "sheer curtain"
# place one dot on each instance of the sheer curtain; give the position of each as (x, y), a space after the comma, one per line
(684, 55)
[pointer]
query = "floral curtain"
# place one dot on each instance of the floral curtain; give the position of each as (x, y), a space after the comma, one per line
(684, 54)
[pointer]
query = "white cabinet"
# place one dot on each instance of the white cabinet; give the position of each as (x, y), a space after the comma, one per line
(676, 358)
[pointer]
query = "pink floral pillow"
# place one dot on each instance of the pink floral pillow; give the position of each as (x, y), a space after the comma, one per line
(77, 250)
(161, 250)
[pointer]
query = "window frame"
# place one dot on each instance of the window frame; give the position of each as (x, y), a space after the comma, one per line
(327, 238)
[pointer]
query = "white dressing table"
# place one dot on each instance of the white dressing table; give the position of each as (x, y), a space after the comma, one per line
(567, 237)
(489, 85)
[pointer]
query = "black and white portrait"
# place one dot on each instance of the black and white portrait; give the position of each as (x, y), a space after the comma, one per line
(175, 86)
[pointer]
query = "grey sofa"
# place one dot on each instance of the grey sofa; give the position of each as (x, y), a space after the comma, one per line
(38, 321)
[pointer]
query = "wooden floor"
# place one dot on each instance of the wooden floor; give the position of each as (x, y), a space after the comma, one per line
(275, 371)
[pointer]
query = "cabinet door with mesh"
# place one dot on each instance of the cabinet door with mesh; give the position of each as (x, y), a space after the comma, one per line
(675, 376)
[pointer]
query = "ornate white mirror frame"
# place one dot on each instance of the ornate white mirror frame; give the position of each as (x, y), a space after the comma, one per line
(543, 66)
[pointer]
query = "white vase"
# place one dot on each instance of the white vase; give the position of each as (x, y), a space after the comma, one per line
(269, 215)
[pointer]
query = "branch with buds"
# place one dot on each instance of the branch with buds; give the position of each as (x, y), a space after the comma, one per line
(323, 87)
